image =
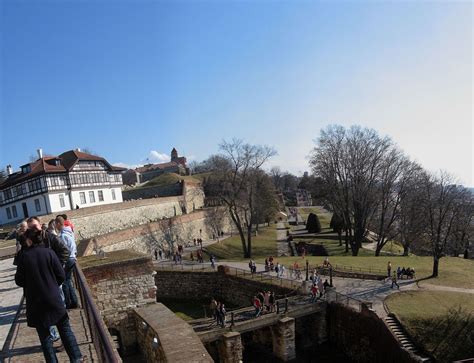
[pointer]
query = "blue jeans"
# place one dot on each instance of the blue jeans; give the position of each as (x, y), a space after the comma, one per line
(67, 337)
(70, 297)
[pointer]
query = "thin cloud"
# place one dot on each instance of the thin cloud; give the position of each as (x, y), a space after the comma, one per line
(157, 157)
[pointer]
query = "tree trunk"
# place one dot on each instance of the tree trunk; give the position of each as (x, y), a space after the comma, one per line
(347, 241)
(339, 234)
(377, 250)
(435, 266)
(249, 241)
(405, 250)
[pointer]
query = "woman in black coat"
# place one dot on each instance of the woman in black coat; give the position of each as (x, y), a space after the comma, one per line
(40, 273)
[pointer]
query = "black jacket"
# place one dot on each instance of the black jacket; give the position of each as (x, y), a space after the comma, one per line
(57, 245)
(40, 273)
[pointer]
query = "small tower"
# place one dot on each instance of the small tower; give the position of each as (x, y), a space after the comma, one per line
(174, 154)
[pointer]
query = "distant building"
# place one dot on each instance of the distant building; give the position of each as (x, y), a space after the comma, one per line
(59, 183)
(303, 198)
(147, 172)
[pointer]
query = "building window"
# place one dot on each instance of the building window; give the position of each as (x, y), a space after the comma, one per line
(9, 213)
(82, 196)
(101, 195)
(34, 185)
(15, 214)
(61, 201)
(92, 196)
(113, 194)
(37, 205)
(8, 194)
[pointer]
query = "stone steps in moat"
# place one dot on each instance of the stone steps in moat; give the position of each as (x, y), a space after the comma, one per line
(398, 332)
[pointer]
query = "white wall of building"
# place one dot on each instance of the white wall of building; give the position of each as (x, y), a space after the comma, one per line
(31, 205)
(50, 203)
(106, 192)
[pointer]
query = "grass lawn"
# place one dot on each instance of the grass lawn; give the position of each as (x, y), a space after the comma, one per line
(441, 322)
(110, 258)
(263, 245)
(186, 309)
(172, 178)
(453, 271)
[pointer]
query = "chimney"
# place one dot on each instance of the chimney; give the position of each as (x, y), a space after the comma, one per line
(78, 149)
(40, 153)
(9, 170)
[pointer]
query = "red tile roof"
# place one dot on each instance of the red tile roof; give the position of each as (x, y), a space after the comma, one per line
(47, 165)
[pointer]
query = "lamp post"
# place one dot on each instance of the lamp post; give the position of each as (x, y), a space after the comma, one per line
(307, 270)
(330, 276)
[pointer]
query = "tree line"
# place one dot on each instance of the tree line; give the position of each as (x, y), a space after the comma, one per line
(376, 192)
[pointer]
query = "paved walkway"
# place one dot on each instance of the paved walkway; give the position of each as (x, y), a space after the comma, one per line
(23, 346)
(18, 342)
(282, 244)
(10, 296)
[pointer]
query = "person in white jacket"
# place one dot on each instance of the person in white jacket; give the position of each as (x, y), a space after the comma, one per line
(67, 236)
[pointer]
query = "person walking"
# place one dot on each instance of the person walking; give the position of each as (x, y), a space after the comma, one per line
(67, 236)
(40, 274)
(213, 308)
(389, 269)
(394, 280)
(258, 306)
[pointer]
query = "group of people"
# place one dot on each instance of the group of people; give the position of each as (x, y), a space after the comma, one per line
(318, 287)
(218, 312)
(408, 272)
(45, 258)
(278, 268)
(264, 301)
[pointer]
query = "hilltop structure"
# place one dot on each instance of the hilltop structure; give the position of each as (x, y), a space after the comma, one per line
(176, 165)
(53, 184)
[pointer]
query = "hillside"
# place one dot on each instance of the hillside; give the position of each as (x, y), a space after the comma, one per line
(172, 178)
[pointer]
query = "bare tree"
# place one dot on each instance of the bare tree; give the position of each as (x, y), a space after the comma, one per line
(412, 222)
(443, 202)
(215, 218)
(234, 183)
(277, 177)
(350, 162)
(394, 182)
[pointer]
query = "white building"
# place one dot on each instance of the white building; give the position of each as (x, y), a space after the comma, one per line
(59, 183)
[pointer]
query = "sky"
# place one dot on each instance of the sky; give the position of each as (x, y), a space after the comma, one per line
(130, 80)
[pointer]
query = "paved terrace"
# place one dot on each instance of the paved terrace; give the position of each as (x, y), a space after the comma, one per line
(20, 343)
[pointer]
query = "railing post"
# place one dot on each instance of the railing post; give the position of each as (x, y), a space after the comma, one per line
(278, 307)
(286, 305)
(232, 319)
(330, 276)
(307, 270)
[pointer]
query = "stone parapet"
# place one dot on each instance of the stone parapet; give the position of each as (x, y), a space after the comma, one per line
(163, 337)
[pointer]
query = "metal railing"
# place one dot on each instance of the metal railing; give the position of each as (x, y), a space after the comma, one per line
(349, 271)
(337, 297)
(235, 271)
(100, 337)
(265, 277)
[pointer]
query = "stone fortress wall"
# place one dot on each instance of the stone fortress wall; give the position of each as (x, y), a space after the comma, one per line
(145, 238)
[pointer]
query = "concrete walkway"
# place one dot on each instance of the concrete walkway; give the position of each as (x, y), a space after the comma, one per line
(10, 296)
(282, 244)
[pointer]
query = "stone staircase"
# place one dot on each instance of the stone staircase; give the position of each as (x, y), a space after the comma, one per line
(404, 340)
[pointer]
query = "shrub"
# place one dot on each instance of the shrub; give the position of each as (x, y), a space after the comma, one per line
(312, 224)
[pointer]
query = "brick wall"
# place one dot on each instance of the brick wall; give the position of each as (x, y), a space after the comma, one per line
(363, 336)
(234, 290)
(118, 288)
